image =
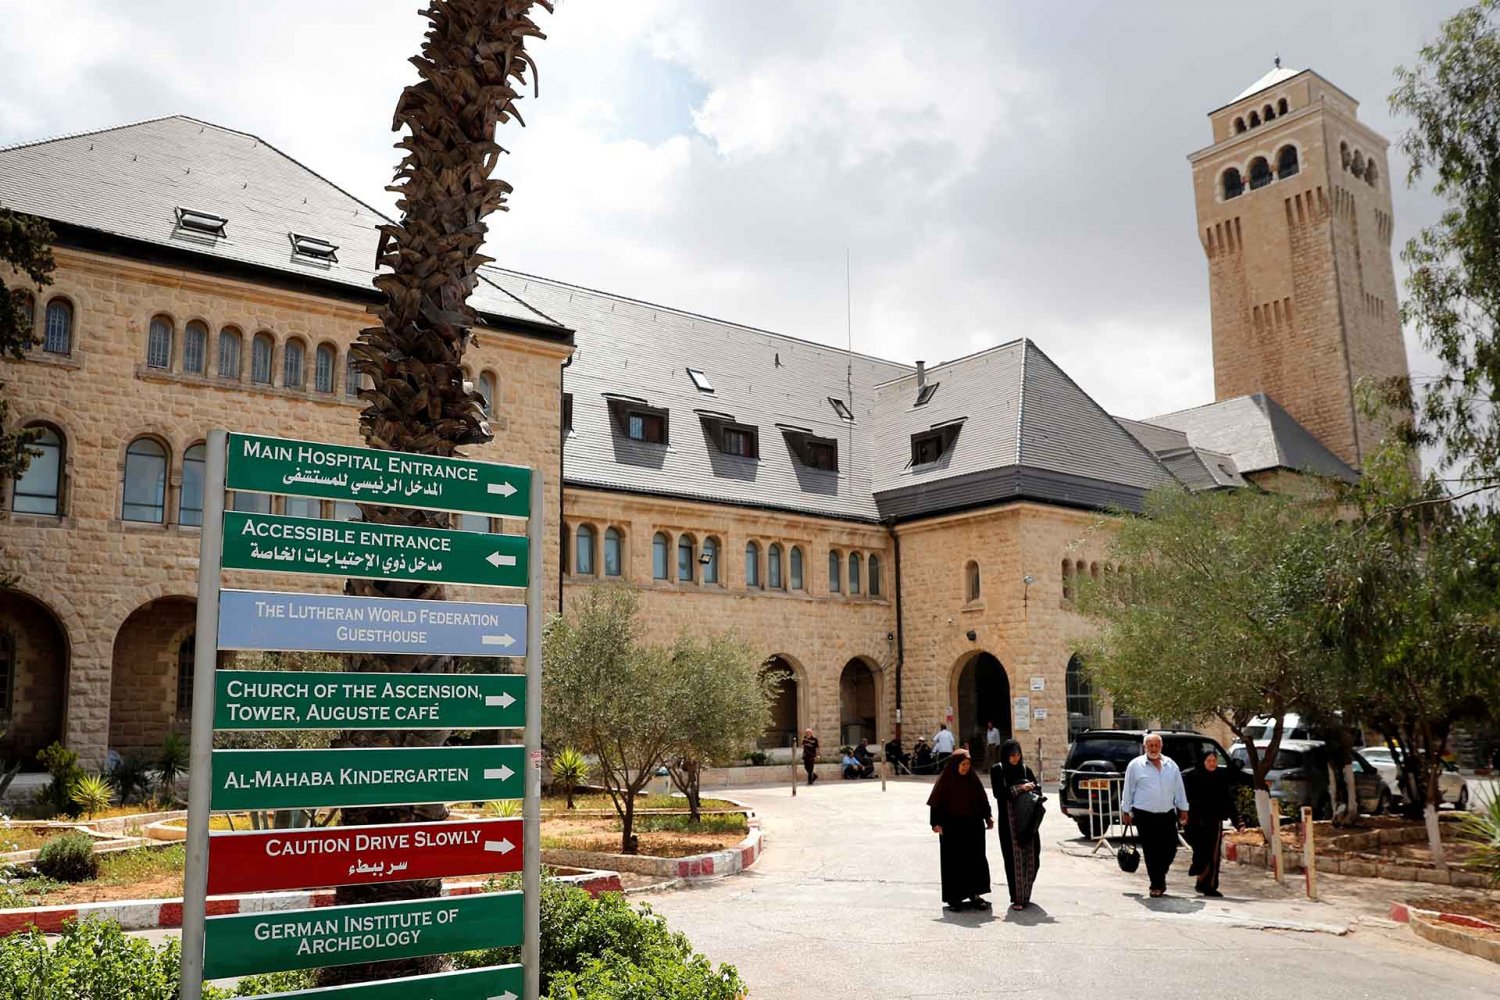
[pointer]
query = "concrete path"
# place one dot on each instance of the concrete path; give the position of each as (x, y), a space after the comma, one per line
(845, 905)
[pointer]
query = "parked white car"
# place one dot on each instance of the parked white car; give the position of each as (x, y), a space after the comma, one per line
(1450, 783)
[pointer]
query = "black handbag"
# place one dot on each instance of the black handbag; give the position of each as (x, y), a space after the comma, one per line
(1127, 856)
(1031, 808)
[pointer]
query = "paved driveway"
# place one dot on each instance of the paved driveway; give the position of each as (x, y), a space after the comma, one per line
(845, 905)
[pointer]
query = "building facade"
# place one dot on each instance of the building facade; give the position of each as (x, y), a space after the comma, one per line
(901, 541)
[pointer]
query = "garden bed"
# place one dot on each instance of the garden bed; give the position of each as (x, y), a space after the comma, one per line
(140, 873)
(1388, 847)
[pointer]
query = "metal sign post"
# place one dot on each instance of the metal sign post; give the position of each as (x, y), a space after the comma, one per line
(201, 735)
(232, 700)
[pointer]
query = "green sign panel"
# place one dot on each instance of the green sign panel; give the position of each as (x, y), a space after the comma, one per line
(260, 699)
(252, 943)
(367, 475)
(500, 983)
(372, 551)
(384, 776)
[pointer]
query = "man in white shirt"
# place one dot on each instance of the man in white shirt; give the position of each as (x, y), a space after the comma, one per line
(991, 745)
(1155, 800)
(942, 747)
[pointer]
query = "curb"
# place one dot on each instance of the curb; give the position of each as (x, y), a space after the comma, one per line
(697, 868)
(1402, 914)
(1447, 929)
(158, 914)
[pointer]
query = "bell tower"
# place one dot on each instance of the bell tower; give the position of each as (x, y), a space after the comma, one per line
(1294, 213)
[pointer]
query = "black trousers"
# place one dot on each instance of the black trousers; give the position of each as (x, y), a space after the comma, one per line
(1158, 834)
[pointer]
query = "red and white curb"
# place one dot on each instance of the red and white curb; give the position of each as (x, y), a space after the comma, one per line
(1402, 914)
(721, 863)
(155, 914)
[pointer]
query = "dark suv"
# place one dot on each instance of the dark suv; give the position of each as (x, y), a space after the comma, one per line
(1097, 752)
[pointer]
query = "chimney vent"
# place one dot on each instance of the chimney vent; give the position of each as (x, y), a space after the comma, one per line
(921, 374)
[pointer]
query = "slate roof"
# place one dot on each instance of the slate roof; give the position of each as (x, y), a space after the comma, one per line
(1018, 427)
(1257, 434)
(1276, 75)
(130, 181)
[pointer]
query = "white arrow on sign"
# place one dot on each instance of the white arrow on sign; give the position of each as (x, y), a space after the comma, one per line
(507, 995)
(499, 846)
(499, 700)
(501, 773)
(503, 489)
(503, 639)
(497, 560)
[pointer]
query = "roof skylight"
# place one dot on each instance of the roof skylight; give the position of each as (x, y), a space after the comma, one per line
(201, 222)
(841, 408)
(925, 393)
(311, 246)
(700, 380)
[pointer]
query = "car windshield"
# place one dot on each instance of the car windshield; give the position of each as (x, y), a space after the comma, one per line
(1117, 750)
(1285, 759)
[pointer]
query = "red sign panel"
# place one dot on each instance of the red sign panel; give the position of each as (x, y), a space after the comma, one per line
(361, 855)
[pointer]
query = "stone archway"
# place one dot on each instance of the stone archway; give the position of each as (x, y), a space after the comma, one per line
(981, 694)
(34, 658)
(147, 661)
(859, 703)
(785, 726)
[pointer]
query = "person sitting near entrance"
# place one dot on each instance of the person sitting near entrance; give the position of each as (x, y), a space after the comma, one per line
(851, 765)
(921, 757)
(866, 758)
(897, 757)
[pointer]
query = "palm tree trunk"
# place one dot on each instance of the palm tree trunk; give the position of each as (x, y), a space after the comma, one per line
(416, 399)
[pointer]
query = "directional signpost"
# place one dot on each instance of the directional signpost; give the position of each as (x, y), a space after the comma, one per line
(290, 780)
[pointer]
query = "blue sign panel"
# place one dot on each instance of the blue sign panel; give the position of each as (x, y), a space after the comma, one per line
(328, 623)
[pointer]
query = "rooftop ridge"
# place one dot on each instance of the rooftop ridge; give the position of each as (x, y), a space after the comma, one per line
(934, 369)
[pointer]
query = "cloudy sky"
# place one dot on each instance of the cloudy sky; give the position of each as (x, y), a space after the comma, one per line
(996, 168)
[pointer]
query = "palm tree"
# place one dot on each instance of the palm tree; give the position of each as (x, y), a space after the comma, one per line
(416, 400)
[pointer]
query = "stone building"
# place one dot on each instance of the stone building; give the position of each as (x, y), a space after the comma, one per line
(901, 540)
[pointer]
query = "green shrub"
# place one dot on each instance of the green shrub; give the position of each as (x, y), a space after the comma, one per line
(131, 778)
(606, 944)
(569, 770)
(91, 793)
(57, 797)
(757, 758)
(69, 858)
(94, 960)
(171, 764)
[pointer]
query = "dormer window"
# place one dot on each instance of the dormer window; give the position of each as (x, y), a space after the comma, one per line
(841, 408)
(700, 380)
(205, 223)
(925, 393)
(809, 449)
(311, 246)
(637, 419)
(931, 445)
(740, 441)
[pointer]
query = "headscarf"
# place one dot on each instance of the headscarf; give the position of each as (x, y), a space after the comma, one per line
(958, 794)
(1011, 774)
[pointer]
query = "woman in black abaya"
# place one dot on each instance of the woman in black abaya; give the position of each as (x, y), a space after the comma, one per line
(960, 813)
(1210, 795)
(1023, 852)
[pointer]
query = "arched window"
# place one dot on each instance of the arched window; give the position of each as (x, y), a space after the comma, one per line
(1082, 712)
(186, 657)
(195, 348)
(835, 571)
(353, 379)
(487, 390)
(293, 365)
(159, 343)
(58, 336)
(583, 560)
(796, 566)
(1260, 173)
(1239, 125)
(710, 560)
(1234, 184)
(773, 568)
(1358, 164)
(686, 557)
(614, 549)
(1254, 119)
(7, 673)
(1286, 162)
(229, 353)
(323, 368)
(190, 504)
(1371, 174)
(752, 564)
(1093, 571)
(971, 581)
(262, 348)
(874, 576)
(1067, 580)
(660, 549)
(38, 490)
(145, 481)
(1268, 113)
(855, 563)
(1282, 106)
(1345, 156)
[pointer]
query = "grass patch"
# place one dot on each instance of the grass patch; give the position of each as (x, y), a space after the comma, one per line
(125, 867)
(600, 800)
(726, 823)
(27, 838)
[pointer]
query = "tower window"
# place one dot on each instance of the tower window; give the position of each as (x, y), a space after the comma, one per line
(1371, 176)
(1260, 173)
(1344, 154)
(1286, 162)
(1254, 119)
(1282, 107)
(1239, 125)
(1234, 184)
(1268, 113)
